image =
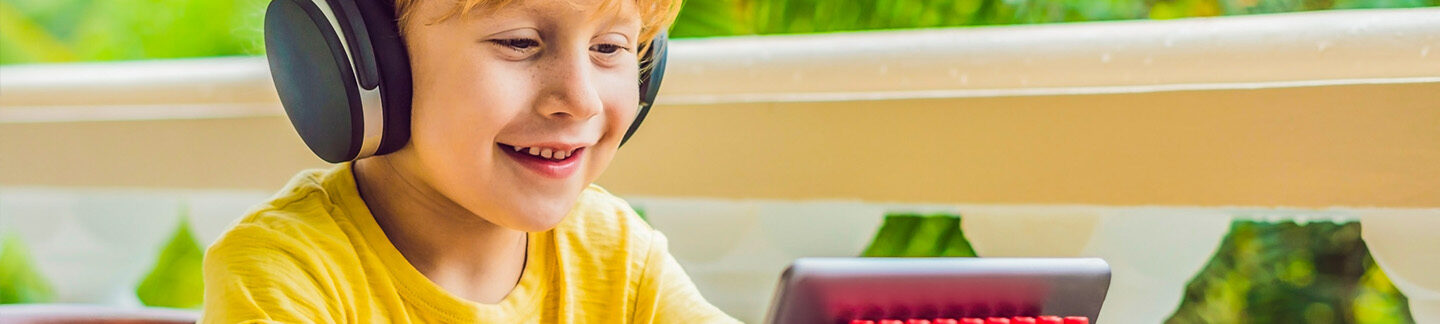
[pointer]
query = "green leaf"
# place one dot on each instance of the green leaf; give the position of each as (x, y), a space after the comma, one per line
(910, 235)
(893, 236)
(20, 282)
(931, 235)
(176, 280)
(958, 245)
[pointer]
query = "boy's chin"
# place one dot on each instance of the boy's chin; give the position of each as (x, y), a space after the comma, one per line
(539, 218)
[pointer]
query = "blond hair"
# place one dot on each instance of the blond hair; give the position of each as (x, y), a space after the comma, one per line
(655, 15)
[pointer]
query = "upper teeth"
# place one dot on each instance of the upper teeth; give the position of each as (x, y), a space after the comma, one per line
(545, 152)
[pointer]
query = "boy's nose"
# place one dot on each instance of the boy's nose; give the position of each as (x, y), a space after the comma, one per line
(568, 91)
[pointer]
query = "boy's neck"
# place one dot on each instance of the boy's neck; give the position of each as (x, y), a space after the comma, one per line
(459, 251)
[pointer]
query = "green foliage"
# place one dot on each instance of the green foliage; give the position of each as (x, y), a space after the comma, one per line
(702, 18)
(1377, 301)
(104, 30)
(1290, 273)
(176, 280)
(909, 235)
(20, 282)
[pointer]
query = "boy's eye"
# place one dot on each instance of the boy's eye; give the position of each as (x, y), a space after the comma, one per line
(517, 43)
(606, 48)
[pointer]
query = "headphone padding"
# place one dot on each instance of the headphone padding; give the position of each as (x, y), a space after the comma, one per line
(650, 82)
(360, 48)
(393, 62)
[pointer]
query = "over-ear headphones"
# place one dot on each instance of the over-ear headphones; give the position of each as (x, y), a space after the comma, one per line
(343, 75)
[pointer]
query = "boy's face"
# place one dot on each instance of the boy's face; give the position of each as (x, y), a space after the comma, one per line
(542, 76)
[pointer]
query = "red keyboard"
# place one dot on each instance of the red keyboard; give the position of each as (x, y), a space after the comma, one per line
(988, 320)
(940, 291)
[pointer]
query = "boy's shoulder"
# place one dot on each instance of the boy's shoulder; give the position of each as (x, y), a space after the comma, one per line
(298, 216)
(287, 258)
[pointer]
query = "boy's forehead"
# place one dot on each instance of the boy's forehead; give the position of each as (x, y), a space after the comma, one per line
(606, 11)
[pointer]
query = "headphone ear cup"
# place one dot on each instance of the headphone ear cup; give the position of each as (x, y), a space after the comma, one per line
(654, 72)
(392, 64)
(314, 79)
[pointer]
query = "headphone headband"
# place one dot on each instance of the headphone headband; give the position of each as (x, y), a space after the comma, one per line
(343, 75)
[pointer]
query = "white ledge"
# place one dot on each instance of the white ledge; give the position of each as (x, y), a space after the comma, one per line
(1245, 52)
(1282, 50)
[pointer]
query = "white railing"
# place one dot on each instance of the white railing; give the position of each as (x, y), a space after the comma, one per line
(1267, 51)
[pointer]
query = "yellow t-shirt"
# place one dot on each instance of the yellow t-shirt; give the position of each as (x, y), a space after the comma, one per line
(314, 254)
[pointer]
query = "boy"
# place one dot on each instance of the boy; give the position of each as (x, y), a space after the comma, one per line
(488, 213)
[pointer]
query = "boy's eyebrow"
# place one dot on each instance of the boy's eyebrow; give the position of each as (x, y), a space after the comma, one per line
(612, 9)
(608, 15)
(625, 24)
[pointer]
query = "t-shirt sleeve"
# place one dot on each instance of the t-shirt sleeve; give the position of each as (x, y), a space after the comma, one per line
(666, 294)
(257, 275)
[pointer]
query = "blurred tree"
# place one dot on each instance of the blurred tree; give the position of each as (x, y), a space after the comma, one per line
(1290, 273)
(711, 18)
(105, 30)
(102, 30)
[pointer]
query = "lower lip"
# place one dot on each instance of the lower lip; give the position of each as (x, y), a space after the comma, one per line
(558, 169)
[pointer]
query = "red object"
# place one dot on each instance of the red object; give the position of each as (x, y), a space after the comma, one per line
(1022, 320)
(1049, 320)
(971, 320)
(1077, 320)
(917, 321)
(999, 320)
(860, 321)
(891, 321)
(945, 321)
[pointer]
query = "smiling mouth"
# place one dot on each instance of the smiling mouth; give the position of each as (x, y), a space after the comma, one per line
(542, 153)
(548, 162)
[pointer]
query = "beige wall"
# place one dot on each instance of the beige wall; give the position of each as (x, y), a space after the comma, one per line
(1376, 145)
(1353, 145)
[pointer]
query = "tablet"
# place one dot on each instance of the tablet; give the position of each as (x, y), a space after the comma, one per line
(839, 290)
